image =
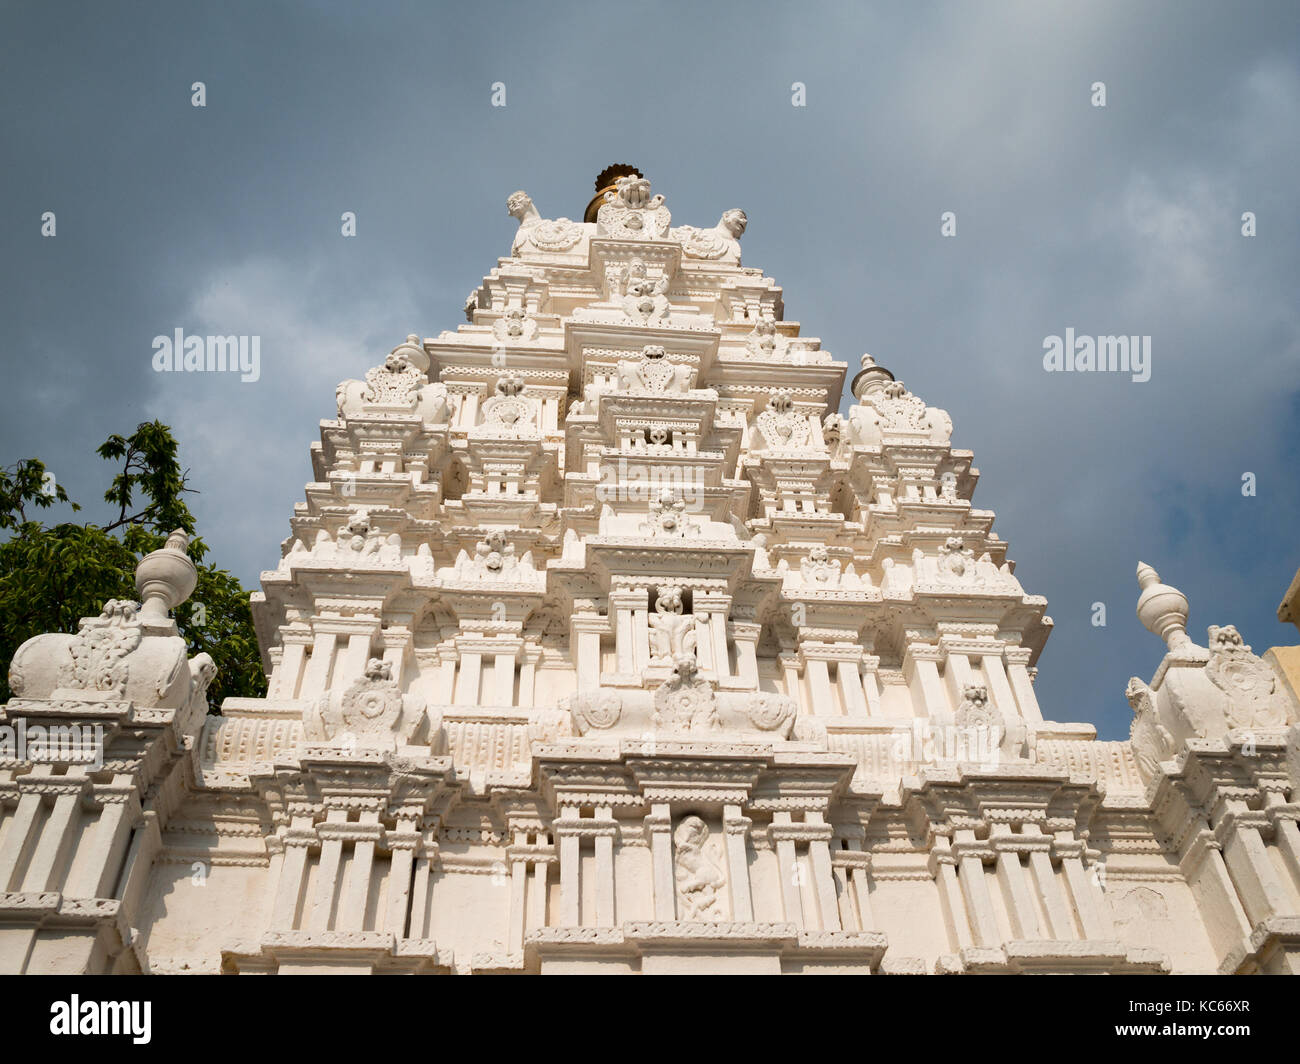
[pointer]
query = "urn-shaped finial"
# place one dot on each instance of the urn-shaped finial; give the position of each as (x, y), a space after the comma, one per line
(165, 578)
(1162, 609)
(872, 373)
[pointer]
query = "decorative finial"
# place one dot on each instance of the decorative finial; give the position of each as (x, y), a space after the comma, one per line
(1162, 609)
(165, 578)
(871, 374)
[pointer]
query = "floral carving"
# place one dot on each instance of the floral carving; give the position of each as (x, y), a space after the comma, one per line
(515, 326)
(99, 649)
(653, 373)
(780, 426)
(509, 412)
(685, 702)
(667, 516)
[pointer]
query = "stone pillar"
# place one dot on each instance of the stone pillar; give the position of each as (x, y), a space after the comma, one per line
(970, 855)
(537, 892)
(566, 830)
(586, 632)
(853, 867)
(1015, 886)
(503, 672)
(735, 826)
(331, 856)
(819, 855)
(943, 866)
(293, 872)
(1046, 884)
(790, 666)
(468, 678)
(1085, 891)
(850, 681)
(1017, 659)
(528, 676)
(518, 897)
(819, 679)
(46, 870)
(746, 635)
(353, 664)
(402, 844)
(921, 667)
(289, 672)
(317, 674)
(622, 607)
(605, 832)
(660, 825)
(871, 684)
(19, 837)
(998, 687)
(641, 631)
(96, 876)
(786, 859)
(356, 890)
(1249, 864)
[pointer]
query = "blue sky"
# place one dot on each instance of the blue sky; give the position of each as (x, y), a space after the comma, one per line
(1117, 220)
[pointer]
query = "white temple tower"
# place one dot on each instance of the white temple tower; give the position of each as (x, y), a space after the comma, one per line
(603, 642)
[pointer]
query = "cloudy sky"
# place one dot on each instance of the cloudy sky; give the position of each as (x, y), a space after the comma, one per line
(1122, 219)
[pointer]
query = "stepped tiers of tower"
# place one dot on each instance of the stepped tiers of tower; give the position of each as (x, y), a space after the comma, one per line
(604, 642)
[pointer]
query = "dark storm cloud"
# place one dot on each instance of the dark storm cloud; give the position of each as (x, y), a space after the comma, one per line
(1122, 220)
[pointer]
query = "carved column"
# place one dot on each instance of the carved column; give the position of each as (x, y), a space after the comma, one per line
(818, 834)
(1048, 887)
(46, 870)
(402, 844)
(1017, 659)
(331, 857)
(295, 641)
(736, 826)
(604, 832)
(943, 866)
(468, 677)
(566, 831)
(356, 890)
(871, 684)
(587, 629)
(1015, 886)
(850, 681)
(786, 859)
(746, 635)
(293, 870)
(1249, 864)
(998, 687)
(970, 855)
(921, 667)
(660, 825)
(1085, 891)
(622, 606)
(317, 673)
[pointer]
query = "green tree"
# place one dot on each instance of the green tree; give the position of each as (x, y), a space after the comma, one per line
(50, 577)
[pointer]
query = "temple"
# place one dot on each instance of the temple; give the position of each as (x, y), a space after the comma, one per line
(604, 642)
